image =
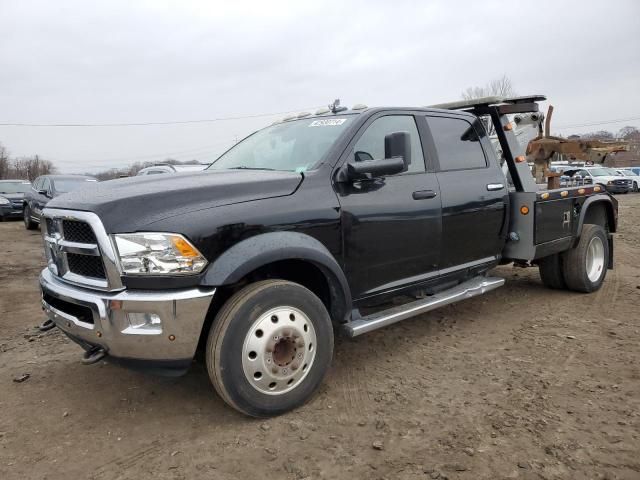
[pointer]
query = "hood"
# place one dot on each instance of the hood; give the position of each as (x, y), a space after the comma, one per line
(12, 196)
(128, 204)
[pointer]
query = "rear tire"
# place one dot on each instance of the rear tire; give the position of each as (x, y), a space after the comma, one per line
(551, 272)
(585, 265)
(28, 223)
(269, 348)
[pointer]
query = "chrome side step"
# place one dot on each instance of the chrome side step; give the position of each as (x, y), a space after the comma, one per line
(470, 288)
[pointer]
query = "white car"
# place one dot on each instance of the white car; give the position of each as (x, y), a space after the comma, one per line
(171, 169)
(632, 176)
(613, 182)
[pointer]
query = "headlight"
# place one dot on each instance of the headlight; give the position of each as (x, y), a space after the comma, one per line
(4, 201)
(157, 254)
(610, 182)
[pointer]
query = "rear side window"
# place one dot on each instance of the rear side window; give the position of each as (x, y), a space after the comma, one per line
(457, 143)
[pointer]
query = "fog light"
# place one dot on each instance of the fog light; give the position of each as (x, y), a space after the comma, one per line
(144, 324)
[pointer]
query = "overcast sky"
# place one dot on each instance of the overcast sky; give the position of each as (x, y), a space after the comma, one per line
(160, 61)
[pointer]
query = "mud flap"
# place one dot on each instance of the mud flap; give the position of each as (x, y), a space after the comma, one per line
(610, 264)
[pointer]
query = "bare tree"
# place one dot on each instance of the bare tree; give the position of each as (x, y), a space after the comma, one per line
(628, 133)
(5, 166)
(502, 87)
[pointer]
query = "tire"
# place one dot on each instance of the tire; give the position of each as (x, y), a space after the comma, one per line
(28, 223)
(551, 272)
(585, 265)
(269, 348)
(635, 187)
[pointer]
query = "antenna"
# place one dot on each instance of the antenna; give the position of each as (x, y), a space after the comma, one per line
(335, 106)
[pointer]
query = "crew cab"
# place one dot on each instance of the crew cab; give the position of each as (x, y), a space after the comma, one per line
(309, 226)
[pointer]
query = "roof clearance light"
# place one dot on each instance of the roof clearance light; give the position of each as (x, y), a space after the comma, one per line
(359, 106)
(581, 191)
(322, 111)
(564, 193)
(596, 188)
(544, 196)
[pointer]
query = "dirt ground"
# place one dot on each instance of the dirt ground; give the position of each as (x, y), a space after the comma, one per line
(523, 382)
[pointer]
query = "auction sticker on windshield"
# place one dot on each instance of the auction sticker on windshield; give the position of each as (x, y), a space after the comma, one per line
(328, 123)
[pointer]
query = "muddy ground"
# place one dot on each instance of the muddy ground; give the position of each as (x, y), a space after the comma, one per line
(523, 382)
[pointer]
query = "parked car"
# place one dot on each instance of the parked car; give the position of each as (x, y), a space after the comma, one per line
(45, 188)
(632, 176)
(635, 170)
(605, 176)
(302, 227)
(11, 198)
(168, 168)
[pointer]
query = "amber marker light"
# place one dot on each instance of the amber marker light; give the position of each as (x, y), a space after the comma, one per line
(544, 196)
(524, 210)
(596, 189)
(564, 193)
(184, 247)
(581, 191)
(520, 159)
(508, 127)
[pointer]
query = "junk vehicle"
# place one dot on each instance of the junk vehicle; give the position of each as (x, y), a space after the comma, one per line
(45, 188)
(11, 198)
(311, 225)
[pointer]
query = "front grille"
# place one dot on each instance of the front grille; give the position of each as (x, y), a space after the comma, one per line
(76, 231)
(83, 314)
(86, 265)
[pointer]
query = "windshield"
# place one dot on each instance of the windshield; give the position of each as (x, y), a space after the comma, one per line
(14, 187)
(64, 185)
(600, 172)
(629, 173)
(294, 146)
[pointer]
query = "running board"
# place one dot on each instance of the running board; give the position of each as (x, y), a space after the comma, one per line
(470, 288)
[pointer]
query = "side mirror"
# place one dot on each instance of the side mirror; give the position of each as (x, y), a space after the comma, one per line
(398, 145)
(397, 149)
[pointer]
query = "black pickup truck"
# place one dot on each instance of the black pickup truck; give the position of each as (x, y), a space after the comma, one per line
(314, 224)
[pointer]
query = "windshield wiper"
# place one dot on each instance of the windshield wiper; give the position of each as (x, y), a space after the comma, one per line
(251, 168)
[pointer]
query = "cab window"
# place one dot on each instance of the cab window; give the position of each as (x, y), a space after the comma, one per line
(370, 146)
(457, 143)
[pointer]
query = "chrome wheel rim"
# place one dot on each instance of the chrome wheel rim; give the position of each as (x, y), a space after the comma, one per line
(595, 259)
(278, 351)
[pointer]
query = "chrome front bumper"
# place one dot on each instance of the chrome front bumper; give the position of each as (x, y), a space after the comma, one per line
(112, 320)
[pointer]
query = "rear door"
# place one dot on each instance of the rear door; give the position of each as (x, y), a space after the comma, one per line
(390, 225)
(473, 192)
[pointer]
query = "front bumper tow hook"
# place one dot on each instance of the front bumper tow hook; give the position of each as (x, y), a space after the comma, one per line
(92, 356)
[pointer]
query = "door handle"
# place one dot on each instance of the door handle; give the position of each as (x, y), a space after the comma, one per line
(494, 186)
(424, 194)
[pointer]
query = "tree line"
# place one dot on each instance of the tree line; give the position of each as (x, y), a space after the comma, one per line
(23, 168)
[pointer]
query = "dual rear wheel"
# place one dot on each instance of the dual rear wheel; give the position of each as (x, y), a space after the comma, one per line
(582, 268)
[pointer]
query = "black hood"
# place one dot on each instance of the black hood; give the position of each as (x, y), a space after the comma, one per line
(137, 201)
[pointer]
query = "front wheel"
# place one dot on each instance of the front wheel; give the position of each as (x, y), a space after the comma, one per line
(635, 187)
(585, 265)
(269, 348)
(29, 224)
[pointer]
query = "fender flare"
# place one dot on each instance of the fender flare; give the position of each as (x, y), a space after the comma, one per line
(609, 209)
(260, 250)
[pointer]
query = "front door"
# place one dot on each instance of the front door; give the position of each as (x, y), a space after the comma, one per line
(391, 225)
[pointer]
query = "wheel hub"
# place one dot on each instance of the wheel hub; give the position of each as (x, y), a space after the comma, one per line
(278, 350)
(595, 259)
